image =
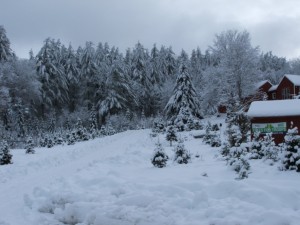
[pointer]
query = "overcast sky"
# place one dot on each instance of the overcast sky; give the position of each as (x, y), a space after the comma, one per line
(274, 25)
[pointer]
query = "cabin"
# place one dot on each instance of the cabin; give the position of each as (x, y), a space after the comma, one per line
(288, 88)
(274, 117)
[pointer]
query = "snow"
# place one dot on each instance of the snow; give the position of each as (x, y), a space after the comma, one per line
(275, 108)
(111, 181)
(295, 79)
(261, 83)
(273, 88)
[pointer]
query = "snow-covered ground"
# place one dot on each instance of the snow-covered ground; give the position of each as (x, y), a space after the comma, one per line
(111, 181)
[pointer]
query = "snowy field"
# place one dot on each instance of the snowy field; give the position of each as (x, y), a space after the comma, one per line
(111, 181)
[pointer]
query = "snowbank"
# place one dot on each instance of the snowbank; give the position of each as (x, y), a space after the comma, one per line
(112, 181)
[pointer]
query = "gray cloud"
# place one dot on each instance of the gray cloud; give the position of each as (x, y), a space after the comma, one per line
(183, 24)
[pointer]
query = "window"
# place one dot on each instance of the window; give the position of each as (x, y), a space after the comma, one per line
(273, 95)
(285, 93)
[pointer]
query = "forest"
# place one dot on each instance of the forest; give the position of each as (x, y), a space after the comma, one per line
(95, 86)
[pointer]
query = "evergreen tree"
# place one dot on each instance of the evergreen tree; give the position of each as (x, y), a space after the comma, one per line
(52, 76)
(6, 53)
(184, 100)
(29, 146)
(292, 150)
(93, 123)
(182, 156)
(171, 135)
(5, 156)
(159, 158)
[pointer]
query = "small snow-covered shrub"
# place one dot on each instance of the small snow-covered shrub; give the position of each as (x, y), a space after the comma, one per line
(29, 146)
(237, 159)
(171, 135)
(236, 150)
(256, 147)
(269, 149)
(5, 156)
(182, 156)
(158, 126)
(207, 136)
(71, 137)
(215, 140)
(263, 147)
(159, 158)
(291, 146)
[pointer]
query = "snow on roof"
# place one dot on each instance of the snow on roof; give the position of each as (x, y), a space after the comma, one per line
(295, 79)
(261, 83)
(273, 88)
(275, 108)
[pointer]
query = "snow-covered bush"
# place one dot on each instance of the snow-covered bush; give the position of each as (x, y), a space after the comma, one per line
(159, 158)
(81, 132)
(158, 126)
(171, 135)
(212, 136)
(71, 137)
(291, 159)
(215, 140)
(182, 156)
(236, 149)
(29, 146)
(5, 156)
(269, 148)
(263, 147)
(238, 160)
(207, 136)
(256, 147)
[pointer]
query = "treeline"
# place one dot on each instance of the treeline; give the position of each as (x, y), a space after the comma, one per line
(61, 83)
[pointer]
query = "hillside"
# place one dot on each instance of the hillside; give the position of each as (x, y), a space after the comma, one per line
(111, 181)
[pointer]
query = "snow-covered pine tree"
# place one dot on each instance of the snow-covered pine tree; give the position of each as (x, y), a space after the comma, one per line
(103, 130)
(110, 129)
(269, 148)
(256, 147)
(208, 134)
(52, 76)
(184, 102)
(71, 137)
(29, 146)
(182, 156)
(171, 135)
(5, 156)
(236, 149)
(5, 51)
(159, 158)
(291, 159)
(50, 141)
(93, 123)
(81, 132)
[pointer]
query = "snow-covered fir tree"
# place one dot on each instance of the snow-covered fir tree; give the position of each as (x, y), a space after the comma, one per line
(81, 132)
(159, 158)
(256, 151)
(184, 102)
(158, 126)
(236, 148)
(29, 146)
(171, 135)
(269, 148)
(5, 51)
(93, 123)
(5, 156)
(291, 159)
(182, 155)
